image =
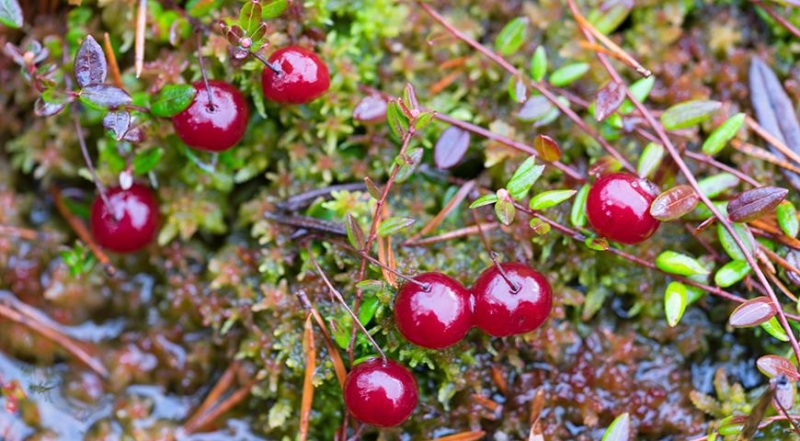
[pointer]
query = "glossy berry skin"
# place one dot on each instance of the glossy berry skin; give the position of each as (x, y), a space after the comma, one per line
(618, 207)
(130, 224)
(216, 129)
(303, 77)
(381, 394)
(499, 311)
(436, 318)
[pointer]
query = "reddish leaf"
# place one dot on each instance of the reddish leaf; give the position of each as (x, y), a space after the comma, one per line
(752, 313)
(674, 203)
(752, 204)
(135, 134)
(609, 98)
(451, 147)
(370, 109)
(547, 148)
(90, 64)
(117, 122)
(773, 365)
(603, 166)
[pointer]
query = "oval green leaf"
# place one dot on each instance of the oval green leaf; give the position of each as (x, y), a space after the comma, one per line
(774, 328)
(551, 198)
(675, 301)
(566, 75)
(486, 199)
(723, 134)
(539, 64)
(732, 272)
(714, 186)
(681, 264)
(524, 177)
(619, 430)
(787, 218)
(650, 160)
(730, 246)
(512, 36)
(393, 225)
(172, 100)
(577, 216)
(688, 114)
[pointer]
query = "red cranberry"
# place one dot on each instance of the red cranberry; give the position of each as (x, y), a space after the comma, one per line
(434, 318)
(303, 77)
(500, 310)
(618, 207)
(380, 393)
(213, 129)
(131, 222)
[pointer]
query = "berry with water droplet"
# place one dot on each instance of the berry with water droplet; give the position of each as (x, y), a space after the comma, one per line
(382, 393)
(130, 220)
(302, 76)
(618, 208)
(217, 128)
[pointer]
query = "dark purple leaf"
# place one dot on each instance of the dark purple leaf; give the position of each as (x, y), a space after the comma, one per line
(15, 53)
(547, 148)
(451, 147)
(90, 64)
(370, 109)
(118, 122)
(752, 204)
(104, 96)
(773, 365)
(42, 108)
(793, 257)
(674, 203)
(752, 313)
(135, 134)
(373, 189)
(354, 232)
(609, 98)
(775, 112)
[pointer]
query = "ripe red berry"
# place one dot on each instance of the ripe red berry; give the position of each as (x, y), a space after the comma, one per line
(434, 318)
(213, 129)
(500, 310)
(303, 77)
(380, 393)
(129, 223)
(618, 207)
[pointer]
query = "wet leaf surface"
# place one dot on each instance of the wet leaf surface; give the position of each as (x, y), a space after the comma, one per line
(674, 203)
(91, 67)
(451, 147)
(752, 204)
(752, 313)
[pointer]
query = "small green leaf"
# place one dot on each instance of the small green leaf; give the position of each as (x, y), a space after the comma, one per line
(273, 8)
(714, 186)
(578, 214)
(681, 264)
(774, 328)
(728, 243)
(729, 426)
(354, 232)
(512, 36)
(201, 8)
(787, 218)
(675, 301)
(640, 89)
(373, 189)
(408, 164)
(650, 160)
(172, 100)
(539, 226)
(596, 243)
(732, 272)
(393, 225)
(551, 198)
(486, 199)
(523, 179)
(608, 17)
(398, 122)
(368, 309)
(619, 430)
(688, 114)
(566, 75)
(250, 17)
(539, 64)
(146, 160)
(10, 13)
(424, 119)
(723, 134)
(505, 210)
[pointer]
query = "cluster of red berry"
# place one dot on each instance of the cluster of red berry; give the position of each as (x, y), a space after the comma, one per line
(436, 311)
(212, 123)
